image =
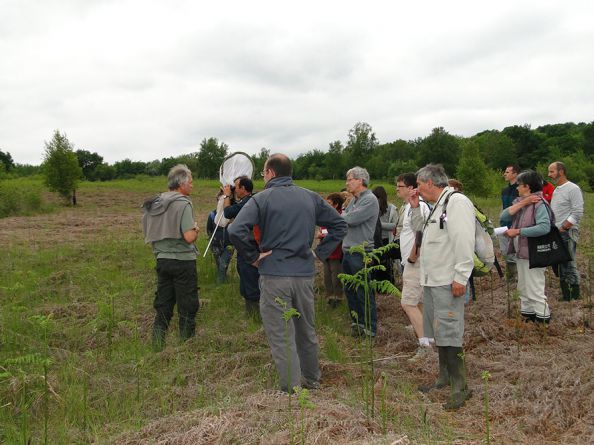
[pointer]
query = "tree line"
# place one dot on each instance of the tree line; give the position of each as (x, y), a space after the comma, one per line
(477, 161)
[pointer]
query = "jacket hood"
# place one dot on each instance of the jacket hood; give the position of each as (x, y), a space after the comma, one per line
(160, 203)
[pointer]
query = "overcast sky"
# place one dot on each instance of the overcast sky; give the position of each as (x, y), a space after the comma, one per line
(150, 79)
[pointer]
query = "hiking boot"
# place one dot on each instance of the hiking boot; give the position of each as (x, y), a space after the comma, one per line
(457, 370)
(527, 318)
(443, 379)
(311, 385)
(422, 352)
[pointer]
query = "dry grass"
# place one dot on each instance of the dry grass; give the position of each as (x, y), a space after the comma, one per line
(541, 388)
(264, 419)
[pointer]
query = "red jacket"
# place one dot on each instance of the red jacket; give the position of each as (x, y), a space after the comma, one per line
(547, 191)
(337, 254)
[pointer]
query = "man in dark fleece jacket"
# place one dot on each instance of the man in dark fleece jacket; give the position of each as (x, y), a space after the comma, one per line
(287, 216)
(168, 224)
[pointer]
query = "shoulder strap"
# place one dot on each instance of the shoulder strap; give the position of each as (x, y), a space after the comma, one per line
(447, 200)
(549, 211)
(445, 203)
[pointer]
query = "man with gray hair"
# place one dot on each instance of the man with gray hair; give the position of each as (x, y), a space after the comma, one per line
(361, 216)
(446, 259)
(168, 224)
(568, 207)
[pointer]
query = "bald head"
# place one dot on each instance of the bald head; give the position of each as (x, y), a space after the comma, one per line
(279, 164)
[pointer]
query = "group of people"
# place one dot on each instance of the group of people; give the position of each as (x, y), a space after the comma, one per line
(273, 232)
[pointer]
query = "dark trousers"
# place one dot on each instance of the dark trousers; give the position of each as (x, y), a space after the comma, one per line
(249, 277)
(351, 264)
(222, 255)
(177, 283)
(568, 272)
(387, 261)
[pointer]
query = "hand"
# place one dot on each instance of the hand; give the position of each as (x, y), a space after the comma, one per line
(261, 257)
(512, 233)
(565, 226)
(458, 289)
(531, 199)
(413, 198)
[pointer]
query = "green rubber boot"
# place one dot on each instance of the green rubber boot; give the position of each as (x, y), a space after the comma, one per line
(443, 378)
(457, 370)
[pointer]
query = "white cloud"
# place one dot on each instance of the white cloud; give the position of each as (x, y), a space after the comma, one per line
(144, 80)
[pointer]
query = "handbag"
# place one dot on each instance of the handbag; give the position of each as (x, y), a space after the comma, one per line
(547, 250)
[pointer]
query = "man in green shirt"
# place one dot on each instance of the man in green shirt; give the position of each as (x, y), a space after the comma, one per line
(168, 224)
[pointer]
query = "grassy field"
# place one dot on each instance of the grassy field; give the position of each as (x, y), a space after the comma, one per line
(76, 290)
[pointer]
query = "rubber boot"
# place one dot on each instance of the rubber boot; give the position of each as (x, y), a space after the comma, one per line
(457, 371)
(443, 378)
(565, 290)
(574, 291)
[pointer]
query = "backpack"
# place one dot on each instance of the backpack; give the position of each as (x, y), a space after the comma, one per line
(484, 252)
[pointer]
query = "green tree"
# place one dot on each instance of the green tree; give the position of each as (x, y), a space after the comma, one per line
(497, 149)
(260, 160)
(399, 167)
(472, 171)
(529, 144)
(309, 165)
(60, 167)
(128, 169)
(88, 163)
(588, 133)
(334, 167)
(6, 160)
(439, 147)
(105, 172)
(360, 145)
(210, 157)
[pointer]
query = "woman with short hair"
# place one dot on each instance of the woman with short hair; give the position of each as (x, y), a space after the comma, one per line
(530, 216)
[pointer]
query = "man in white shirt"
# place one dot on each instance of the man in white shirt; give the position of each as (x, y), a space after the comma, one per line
(568, 206)
(412, 292)
(447, 252)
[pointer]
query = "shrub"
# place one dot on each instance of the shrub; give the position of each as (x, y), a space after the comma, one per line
(19, 198)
